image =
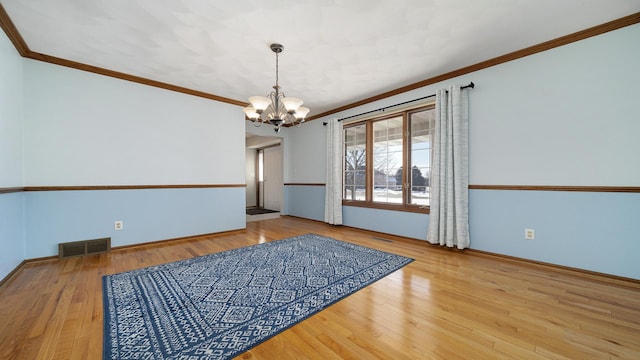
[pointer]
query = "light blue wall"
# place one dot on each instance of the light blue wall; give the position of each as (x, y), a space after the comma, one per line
(11, 232)
(305, 201)
(567, 116)
(86, 129)
(82, 128)
(307, 158)
(11, 143)
(65, 127)
(596, 231)
(148, 215)
(407, 224)
(11, 140)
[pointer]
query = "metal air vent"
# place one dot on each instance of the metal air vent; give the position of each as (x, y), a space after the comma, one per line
(84, 247)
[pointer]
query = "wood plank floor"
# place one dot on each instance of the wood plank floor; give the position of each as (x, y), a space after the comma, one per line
(444, 305)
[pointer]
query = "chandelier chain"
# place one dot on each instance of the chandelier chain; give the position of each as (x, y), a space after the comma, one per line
(277, 69)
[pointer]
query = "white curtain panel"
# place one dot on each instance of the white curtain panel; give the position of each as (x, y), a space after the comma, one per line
(449, 215)
(333, 195)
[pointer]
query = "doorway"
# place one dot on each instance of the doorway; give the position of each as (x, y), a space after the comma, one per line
(270, 177)
(264, 173)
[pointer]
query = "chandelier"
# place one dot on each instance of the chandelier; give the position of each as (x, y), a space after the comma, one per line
(275, 109)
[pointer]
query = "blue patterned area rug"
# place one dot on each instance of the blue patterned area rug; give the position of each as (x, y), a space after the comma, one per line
(220, 305)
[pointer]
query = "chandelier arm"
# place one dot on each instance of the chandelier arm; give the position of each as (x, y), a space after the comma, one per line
(271, 112)
(276, 101)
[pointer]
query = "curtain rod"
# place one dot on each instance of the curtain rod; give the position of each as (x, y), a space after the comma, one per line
(471, 85)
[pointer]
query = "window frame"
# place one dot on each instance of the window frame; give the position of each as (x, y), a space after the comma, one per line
(405, 206)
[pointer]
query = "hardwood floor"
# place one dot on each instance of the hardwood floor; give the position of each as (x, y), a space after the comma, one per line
(444, 305)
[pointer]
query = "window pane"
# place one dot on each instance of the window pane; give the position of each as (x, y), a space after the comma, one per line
(354, 162)
(387, 160)
(421, 125)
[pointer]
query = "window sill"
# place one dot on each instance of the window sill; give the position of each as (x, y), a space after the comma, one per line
(383, 206)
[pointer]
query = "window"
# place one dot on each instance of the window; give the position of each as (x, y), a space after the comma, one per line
(421, 124)
(387, 161)
(354, 162)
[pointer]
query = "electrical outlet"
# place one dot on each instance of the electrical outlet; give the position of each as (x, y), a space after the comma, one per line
(529, 234)
(118, 225)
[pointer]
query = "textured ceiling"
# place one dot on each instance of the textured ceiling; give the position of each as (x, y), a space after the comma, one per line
(336, 51)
